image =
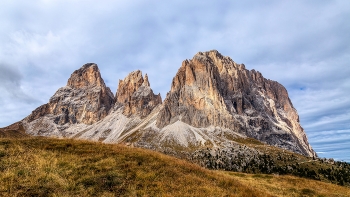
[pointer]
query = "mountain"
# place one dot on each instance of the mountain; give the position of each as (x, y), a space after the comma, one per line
(84, 100)
(213, 103)
(212, 90)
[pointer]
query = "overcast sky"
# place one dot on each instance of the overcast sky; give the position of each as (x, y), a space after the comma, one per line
(304, 45)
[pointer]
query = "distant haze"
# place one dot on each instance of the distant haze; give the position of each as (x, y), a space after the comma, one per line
(304, 45)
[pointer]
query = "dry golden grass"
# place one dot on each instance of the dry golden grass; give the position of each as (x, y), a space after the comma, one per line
(286, 185)
(52, 167)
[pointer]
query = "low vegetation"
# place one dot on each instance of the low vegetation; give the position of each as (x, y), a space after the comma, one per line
(53, 167)
(252, 156)
(285, 185)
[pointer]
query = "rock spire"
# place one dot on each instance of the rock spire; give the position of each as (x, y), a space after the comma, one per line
(135, 93)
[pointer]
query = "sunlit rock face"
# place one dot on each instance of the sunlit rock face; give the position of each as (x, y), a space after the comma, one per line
(212, 90)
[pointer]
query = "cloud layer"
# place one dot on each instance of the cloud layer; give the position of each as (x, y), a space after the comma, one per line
(304, 45)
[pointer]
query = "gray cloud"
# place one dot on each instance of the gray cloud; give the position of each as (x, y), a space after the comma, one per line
(303, 45)
(10, 80)
(13, 98)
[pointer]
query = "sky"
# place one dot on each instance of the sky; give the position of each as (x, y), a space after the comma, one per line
(303, 44)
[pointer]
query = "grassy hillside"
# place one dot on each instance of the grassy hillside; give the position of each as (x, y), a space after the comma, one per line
(53, 167)
(15, 130)
(285, 185)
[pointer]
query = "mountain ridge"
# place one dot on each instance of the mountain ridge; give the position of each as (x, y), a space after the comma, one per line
(212, 100)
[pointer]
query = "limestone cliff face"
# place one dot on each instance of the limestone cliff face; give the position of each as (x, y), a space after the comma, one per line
(85, 99)
(213, 90)
(135, 93)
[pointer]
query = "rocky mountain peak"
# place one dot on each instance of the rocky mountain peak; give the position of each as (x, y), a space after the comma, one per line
(87, 75)
(128, 86)
(85, 99)
(135, 93)
(213, 90)
(195, 88)
(145, 81)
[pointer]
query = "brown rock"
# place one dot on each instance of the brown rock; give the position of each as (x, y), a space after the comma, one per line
(15, 130)
(39, 112)
(135, 93)
(128, 86)
(87, 76)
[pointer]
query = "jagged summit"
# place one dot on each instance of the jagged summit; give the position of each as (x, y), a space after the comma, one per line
(145, 81)
(85, 99)
(128, 86)
(135, 93)
(87, 75)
